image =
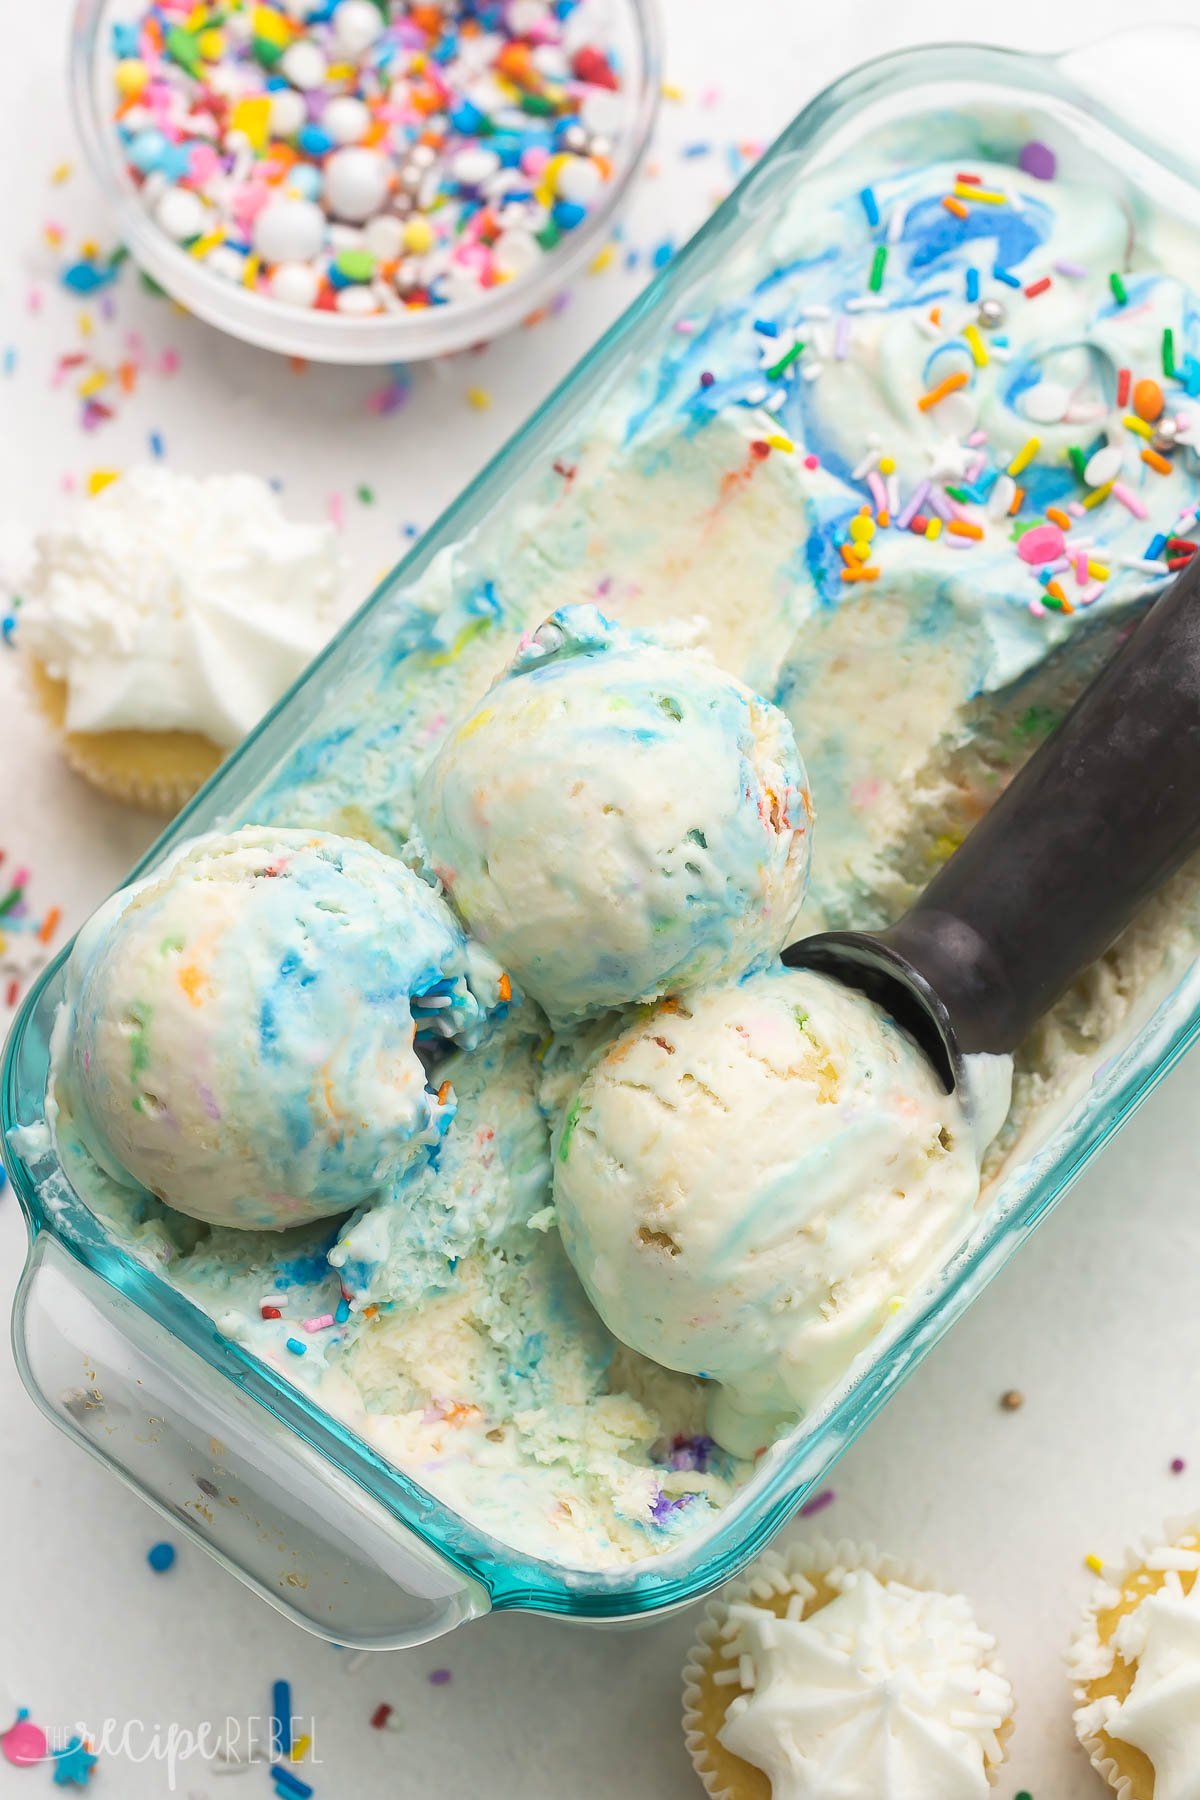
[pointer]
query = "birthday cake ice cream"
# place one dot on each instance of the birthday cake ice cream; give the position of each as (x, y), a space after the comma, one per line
(616, 820)
(907, 463)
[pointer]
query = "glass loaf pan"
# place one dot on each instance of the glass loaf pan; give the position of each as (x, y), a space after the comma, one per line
(324, 1527)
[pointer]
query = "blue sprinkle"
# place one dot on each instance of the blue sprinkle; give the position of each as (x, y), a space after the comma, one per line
(1008, 279)
(313, 140)
(343, 1312)
(870, 206)
(157, 447)
(567, 214)
(631, 259)
(972, 284)
(693, 150)
(296, 1347)
(3, 1178)
(1156, 547)
(663, 254)
(281, 1716)
(766, 327)
(125, 40)
(10, 359)
(8, 625)
(88, 277)
(160, 1557)
(287, 1783)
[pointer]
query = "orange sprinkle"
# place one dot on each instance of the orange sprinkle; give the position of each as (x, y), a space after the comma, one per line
(443, 1093)
(955, 206)
(950, 384)
(964, 528)
(861, 574)
(848, 556)
(1053, 587)
(504, 986)
(885, 517)
(1155, 461)
(1016, 503)
(49, 925)
(190, 980)
(1058, 517)
(935, 315)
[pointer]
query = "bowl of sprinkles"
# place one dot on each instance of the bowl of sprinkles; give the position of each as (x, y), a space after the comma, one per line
(365, 181)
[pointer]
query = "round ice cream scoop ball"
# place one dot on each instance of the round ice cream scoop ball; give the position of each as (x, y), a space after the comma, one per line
(617, 820)
(241, 1029)
(750, 1179)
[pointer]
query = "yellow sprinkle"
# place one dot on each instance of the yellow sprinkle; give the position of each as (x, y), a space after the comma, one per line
(896, 1303)
(268, 25)
(862, 528)
(1098, 571)
(250, 272)
(85, 324)
(1095, 1564)
(479, 398)
(91, 384)
(252, 117)
(602, 259)
(418, 236)
(781, 443)
(89, 249)
(301, 1747)
(208, 242)
(887, 465)
(1132, 423)
(978, 347)
(670, 90)
(942, 849)
(1024, 456)
(933, 529)
(1097, 495)
(99, 479)
(211, 45)
(341, 72)
(986, 196)
(860, 552)
(60, 173)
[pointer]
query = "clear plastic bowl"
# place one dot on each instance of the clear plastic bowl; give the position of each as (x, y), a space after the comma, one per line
(247, 1465)
(332, 337)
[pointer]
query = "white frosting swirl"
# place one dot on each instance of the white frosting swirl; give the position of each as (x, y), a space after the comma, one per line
(1161, 1713)
(168, 603)
(886, 1693)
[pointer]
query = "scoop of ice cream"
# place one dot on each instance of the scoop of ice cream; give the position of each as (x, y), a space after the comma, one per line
(617, 820)
(241, 1029)
(750, 1182)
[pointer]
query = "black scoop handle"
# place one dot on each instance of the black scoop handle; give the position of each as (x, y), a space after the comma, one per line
(1097, 820)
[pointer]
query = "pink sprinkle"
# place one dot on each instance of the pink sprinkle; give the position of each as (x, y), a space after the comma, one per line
(1087, 595)
(913, 506)
(1129, 500)
(976, 438)
(168, 362)
(337, 510)
(321, 1323)
(818, 1503)
(203, 162)
(878, 491)
(1077, 509)
(1072, 269)
(951, 541)
(33, 300)
(811, 461)
(1037, 609)
(1041, 545)
(1177, 1465)
(533, 162)
(975, 469)
(1081, 567)
(710, 96)
(68, 483)
(685, 327)
(841, 337)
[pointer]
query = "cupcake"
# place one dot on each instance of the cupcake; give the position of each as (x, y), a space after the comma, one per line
(163, 617)
(1135, 1666)
(832, 1670)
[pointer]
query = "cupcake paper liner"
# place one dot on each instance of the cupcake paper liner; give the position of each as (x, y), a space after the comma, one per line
(776, 1572)
(1086, 1647)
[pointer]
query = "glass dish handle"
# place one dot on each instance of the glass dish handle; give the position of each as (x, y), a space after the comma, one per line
(1124, 73)
(216, 1463)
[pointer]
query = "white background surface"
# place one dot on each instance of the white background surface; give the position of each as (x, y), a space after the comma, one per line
(1096, 1321)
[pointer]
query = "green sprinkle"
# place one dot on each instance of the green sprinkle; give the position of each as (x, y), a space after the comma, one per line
(540, 105)
(355, 265)
(549, 235)
(151, 286)
(568, 1132)
(1078, 462)
(1168, 353)
(960, 494)
(1118, 288)
(1035, 722)
(785, 361)
(170, 943)
(800, 1016)
(878, 264)
(671, 707)
(139, 1047)
(10, 900)
(182, 48)
(1024, 1795)
(696, 836)
(365, 494)
(267, 53)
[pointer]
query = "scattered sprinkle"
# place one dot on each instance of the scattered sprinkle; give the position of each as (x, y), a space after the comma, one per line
(1013, 1400)
(161, 1557)
(818, 1503)
(440, 1677)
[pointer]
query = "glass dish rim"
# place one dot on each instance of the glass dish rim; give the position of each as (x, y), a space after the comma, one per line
(654, 1585)
(330, 337)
